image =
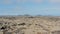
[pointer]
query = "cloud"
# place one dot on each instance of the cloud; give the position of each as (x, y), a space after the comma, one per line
(54, 1)
(37, 1)
(6, 2)
(34, 1)
(25, 1)
(19, 1)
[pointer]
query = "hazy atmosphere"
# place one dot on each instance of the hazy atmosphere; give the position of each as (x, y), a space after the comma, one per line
(31, 7)
(29, 16)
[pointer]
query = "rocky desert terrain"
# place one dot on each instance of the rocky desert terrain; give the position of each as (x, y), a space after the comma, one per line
(29, 25)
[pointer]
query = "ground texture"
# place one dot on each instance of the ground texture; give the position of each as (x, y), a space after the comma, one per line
(29, 25)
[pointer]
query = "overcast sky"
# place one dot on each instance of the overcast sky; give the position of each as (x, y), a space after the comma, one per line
(31, 7)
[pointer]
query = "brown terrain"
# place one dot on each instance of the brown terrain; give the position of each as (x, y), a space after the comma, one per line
(29, 25)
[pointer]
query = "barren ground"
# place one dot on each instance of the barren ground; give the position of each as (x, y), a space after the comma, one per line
(29, 25)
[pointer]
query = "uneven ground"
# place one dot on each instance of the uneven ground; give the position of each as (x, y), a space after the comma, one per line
(29, 25)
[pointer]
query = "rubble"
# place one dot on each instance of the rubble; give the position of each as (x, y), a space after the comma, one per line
(29, 25)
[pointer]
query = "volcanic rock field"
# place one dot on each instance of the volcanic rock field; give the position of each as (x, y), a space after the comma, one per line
(29, 25)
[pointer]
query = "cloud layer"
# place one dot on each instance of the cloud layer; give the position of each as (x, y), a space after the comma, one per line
(20, 1)
(24, 1)
(54, 1)
(7, 2)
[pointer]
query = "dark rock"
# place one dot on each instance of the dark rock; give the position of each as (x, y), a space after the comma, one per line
(56, 32)
(3, 28)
